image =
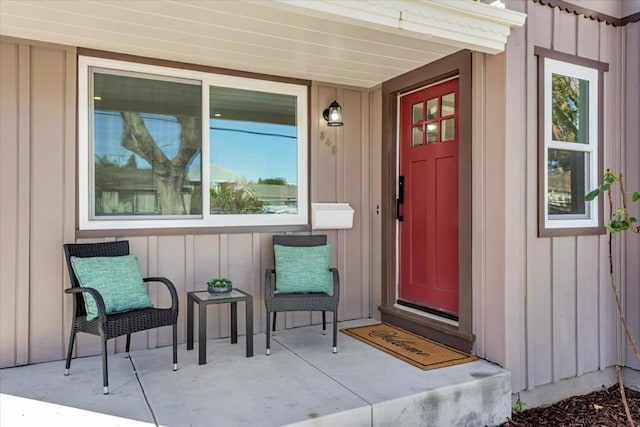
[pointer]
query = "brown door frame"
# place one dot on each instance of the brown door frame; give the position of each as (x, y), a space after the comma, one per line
(460, 336)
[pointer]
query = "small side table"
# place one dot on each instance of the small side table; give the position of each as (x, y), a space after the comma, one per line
(203, 299)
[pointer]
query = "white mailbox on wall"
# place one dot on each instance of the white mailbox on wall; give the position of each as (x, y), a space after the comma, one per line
(331, 216)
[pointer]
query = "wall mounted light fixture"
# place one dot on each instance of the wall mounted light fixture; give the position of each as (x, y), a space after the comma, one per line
(333, 114)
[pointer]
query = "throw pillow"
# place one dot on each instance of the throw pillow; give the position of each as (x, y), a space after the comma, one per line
(303, 269)
(118, 280)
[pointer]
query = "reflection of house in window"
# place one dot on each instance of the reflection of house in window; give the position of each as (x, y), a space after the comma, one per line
(566, 182)
(559, 191)
(219, 175)
(125, 191)
(131, 191)
(274, 198)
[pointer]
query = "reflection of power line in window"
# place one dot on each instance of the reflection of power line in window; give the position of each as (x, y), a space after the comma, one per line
(250, 132)
(156, 117)
(161, 118)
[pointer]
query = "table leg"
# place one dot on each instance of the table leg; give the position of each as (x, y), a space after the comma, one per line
(190, 303)
(234, 323)
(249, 326)
(202, 334)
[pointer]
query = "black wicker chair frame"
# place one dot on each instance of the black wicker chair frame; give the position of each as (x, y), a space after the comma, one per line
(109, 326)
(301, 301)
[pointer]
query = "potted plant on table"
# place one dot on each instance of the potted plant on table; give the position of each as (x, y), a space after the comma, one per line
(219, 285)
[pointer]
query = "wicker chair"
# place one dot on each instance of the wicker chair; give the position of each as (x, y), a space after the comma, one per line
(301, 301)
(109, 326)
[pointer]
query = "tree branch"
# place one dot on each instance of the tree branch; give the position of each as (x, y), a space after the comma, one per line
(624, 398)
(136, 137)
(190, 144)
(627, 331)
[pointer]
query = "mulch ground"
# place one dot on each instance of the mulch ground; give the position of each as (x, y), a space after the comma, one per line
(600, 408)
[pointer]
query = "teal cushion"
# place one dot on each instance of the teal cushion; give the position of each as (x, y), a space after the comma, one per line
(303, 269)
(118, 280)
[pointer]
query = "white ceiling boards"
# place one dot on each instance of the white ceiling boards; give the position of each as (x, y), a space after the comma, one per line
(360, 43)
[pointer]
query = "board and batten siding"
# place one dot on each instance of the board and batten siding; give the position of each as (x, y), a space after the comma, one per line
(375, 201)
(543, 307)
(631, 157)
(37, 197)
(38, 208)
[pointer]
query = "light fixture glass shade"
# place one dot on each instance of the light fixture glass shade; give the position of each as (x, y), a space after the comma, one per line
(333, 114)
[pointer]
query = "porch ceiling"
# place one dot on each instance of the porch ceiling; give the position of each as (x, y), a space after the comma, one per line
(360, 43)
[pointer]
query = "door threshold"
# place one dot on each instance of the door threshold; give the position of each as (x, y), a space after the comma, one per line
(427, 315)
(426, 309)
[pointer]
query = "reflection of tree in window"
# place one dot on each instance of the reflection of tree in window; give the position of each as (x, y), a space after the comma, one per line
(272, 181)
(159, 122)
(570, 100)
(170, 173)
(230, 198)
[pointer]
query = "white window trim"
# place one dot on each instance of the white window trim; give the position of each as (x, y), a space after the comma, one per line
(591, 216)
(206, 220)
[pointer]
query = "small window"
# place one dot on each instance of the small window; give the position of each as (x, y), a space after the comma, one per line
(164, 147)
(570, 143)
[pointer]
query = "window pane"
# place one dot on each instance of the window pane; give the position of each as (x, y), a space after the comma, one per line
(417, 137)
(570, 109)
(417, 112)
(254, 153)
(566, 177)
(146, 146)
(448, 129)
(432, 132)
(432, 108)
(449, 104)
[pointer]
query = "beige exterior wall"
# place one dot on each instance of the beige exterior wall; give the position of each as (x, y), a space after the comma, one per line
(37, 193)
(375, 201)
(543, 307)
(37, 189)
(631, 156)
(488, 206)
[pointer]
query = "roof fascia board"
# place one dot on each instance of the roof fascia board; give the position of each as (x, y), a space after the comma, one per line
(461, 23)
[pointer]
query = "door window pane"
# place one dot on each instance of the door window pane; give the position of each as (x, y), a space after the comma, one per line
(417, 137)
(448, 129)
(449, 104)
(570, 109)
(254, 149)
(417, 110)
(566, 182)
(432, 109)
(432, 133)
(147, 136)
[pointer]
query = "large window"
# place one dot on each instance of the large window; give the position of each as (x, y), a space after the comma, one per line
(570, 143)
(165, 147)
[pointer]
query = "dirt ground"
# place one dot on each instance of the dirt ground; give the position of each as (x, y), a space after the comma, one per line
(600, 408)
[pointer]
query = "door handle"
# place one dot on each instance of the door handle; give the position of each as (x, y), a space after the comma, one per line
(400, 199)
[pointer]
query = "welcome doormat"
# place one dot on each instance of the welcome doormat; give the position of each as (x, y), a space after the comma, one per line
(414, 349)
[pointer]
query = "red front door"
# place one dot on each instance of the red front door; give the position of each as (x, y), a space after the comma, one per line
(429, 230)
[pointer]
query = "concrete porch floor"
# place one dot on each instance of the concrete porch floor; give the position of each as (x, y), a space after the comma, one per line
(300, 383)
